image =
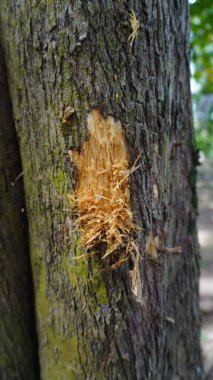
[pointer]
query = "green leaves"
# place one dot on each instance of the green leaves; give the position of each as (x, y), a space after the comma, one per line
(202, 43)
(201, 12)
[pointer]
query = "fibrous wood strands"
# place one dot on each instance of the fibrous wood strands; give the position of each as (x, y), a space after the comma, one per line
(102, 196)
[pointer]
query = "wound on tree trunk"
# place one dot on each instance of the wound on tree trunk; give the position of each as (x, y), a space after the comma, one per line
(102, 196)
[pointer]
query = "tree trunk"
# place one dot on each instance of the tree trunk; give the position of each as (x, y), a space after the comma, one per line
(17, 322)
(83, 56)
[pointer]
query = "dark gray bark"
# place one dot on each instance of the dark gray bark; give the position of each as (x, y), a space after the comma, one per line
(90, 324)
(17, 322)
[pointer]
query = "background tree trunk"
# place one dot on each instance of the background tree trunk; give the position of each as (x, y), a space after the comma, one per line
(17, 321)
(90, 324)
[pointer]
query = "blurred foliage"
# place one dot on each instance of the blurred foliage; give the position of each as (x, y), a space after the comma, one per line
(204, 135)
(201, 12)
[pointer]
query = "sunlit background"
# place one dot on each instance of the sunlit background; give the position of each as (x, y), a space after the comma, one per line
(202, 90)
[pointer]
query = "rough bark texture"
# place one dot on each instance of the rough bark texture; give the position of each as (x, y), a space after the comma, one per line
(59, 53)
(17, 323)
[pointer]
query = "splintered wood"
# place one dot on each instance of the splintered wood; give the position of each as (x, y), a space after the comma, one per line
(102, 196)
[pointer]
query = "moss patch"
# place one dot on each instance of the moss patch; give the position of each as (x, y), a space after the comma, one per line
(59, 181)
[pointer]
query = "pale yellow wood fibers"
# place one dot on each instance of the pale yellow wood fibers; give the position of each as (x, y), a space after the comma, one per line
(102, 195)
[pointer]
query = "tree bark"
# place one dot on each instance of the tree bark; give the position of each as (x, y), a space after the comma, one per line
(90, 324)
(18, 356)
